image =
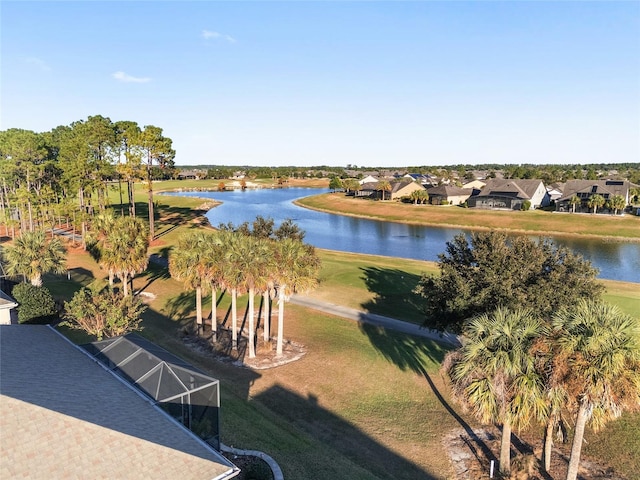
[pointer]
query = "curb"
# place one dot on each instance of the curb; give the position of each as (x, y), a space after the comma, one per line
(275, 468)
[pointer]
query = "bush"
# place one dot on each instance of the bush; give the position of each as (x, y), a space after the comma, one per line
(526, 205)
(36, 305)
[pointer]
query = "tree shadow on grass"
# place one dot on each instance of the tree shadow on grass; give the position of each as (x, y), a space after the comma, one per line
(412, 353)
(151, 274)
(338, 434)
(393, 290)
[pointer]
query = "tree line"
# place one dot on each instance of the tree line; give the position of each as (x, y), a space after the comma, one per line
(66, 172)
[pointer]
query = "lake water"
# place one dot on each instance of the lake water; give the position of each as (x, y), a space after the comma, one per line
(615, 260)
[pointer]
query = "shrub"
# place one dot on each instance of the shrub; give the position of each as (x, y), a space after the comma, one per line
(36, 305)
(526, 205)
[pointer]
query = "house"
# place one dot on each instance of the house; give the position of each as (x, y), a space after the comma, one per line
(191, 175)
(585, 189)
(67, 416)
(448, 194)
(474, 184)
(404, 188)
(8, 305)
(510, 194)
(555, 191)
(368, 179)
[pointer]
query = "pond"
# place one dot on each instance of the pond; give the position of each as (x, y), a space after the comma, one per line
(615, 260)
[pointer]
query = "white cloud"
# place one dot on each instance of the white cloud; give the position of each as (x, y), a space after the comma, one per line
(41, 64)
(123, 77)
(208, 35)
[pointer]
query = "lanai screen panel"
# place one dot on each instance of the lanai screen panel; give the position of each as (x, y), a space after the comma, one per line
(187, 394)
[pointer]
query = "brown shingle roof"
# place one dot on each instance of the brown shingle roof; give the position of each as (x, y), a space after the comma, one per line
(64, 416)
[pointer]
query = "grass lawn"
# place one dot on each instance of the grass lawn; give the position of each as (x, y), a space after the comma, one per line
(362, 403)
(625, 227)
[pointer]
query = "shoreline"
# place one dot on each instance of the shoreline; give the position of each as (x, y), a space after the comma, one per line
(541, 233)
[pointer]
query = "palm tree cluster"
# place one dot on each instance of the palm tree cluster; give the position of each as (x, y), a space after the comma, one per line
(515, 368)
(244, 261)
(65, 173)
(119, 245)
(34, 254)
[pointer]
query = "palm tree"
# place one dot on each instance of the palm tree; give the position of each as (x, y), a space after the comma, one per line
(296, 271)
(34, 254)
(255, 263)
(232, 270)
(187, 263)
(493, 373)
(125, 249)
(384, 186)
(595, 201)
(213, 261)
(598, 362)
(617, 202)
(574, 201)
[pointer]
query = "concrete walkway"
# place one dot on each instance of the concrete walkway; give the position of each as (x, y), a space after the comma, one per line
(374, 319)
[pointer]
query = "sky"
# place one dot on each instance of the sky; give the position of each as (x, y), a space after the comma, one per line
(337, 83)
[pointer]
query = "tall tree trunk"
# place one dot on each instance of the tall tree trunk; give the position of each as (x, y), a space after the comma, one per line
(578, 436)
(252, 340)
(214, 314)
(267, 317)
(505, 448)
(125, 284)
(548, 445)
(234, 319)
(199, 309)
(151, 216)
(280, 341)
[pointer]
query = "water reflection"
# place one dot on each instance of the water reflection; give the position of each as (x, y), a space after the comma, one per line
(616, 261)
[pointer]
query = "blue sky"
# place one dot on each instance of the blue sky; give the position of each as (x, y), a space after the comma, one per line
(367, 83)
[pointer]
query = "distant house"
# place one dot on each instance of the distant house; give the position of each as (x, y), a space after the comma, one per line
(510, 194)
(449, 194)
(555, 191)
(585, 189)
(404, 188)
(8, 305)
(368, 179)
(474, 184)
(191, 175)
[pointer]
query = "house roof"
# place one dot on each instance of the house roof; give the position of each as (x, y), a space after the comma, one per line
(601, 187)
(71, 418)
(449, 191)
(518, 188)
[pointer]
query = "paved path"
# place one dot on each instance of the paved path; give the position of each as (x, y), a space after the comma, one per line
(374, 319)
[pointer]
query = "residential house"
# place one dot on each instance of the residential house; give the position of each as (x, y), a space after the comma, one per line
(367, 179)
(404, 188)
(585, 189)
(449, 195)
(65, 415)
(510, 194)
(475, 184)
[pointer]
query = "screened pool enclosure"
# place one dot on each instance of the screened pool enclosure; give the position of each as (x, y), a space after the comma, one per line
(185, 393)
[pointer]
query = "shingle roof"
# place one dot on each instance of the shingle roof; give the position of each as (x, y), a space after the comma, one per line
(524, 189)
(64, 416)
(601, 187)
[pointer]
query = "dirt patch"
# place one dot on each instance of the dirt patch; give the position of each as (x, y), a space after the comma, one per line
(220, 348)
(471, 454)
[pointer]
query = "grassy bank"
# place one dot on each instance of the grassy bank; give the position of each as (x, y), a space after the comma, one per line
(623, 228)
